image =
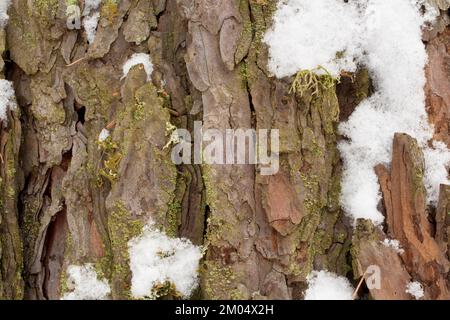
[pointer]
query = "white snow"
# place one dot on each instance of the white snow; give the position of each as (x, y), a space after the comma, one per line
(385, 37)
(324, 285)
(91, 17)
(4, 4)
(394, 244)
(431, 10)
(155, 259)
(435, 170)
(85, 285)
(104, 134)
(307, 34)
(138, 58)
(90, 26)
(7, 98)
(415, 289)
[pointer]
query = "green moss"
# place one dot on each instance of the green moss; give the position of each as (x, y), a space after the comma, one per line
(139, 112)
(30, 226)
(418, 168)
(68, 252)
(63, 287)
(341, 237)
(110, 10)
(122, 228)
(312, 203)
(166, 290)
(172, 218)
(96, 89)
(334, 194)
(103, 267)
(316, 230)
(219, 229)
(365, 232)
(174, 138)
(244, 74)
(46, 10)
(329, 110)
(211, 195)
(165, 98)
(316, 93)
(47, 6)
(262, 13)
(362, 85)
(237, 294)
(120, 222)
(246, 35)
(113, 157)
(218, 281)
(189, 102)
(418, 179)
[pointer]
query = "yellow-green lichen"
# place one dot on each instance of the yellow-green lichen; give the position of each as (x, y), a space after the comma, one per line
(172, 218)
(244, 74)
(47, 8)
(313, 82)
(63, 286)
(166, 290)
(110, 10)
(362, 85)
(218, 281)
(113, 157)
(139, 112)
(211, 194)
(164, 98)
(122, 228)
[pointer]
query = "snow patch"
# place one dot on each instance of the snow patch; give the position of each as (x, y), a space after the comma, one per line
(138, 58)
(324, 285)
(385, 37)
(436, 162)
(307, 34)
(85, 284)
(415, 289)
(4, 4)
(7, 99)
(90, 26)
(90, 5)
(104, 134)
(156, 259)
(394, 244)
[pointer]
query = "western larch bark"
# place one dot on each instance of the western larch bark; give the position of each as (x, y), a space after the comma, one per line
(66, 198)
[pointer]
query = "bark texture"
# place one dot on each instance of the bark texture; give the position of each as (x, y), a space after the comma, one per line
(67, 199)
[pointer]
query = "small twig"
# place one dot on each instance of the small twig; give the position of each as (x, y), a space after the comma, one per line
(173, 112)
(1, 159)
(75, 62)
